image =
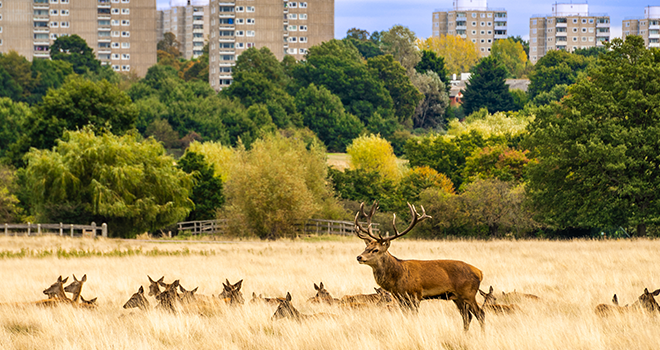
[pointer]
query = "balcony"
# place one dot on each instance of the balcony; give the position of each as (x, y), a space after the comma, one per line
(654, 26)
(654, 36)
(199, 22)
(226, 15)
(201, 31)
(654, 44)
(501, 27)
(41, 30)
(41, 42)
(461, 27)
(500, 36)
(562, 34)
(561, 25)
(602, 25)
(606, 34)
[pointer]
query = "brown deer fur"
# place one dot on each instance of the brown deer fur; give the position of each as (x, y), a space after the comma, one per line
(411, 281)
(137, 300)
(322, 295)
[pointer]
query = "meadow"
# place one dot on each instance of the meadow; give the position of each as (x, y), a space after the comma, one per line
(571, 277)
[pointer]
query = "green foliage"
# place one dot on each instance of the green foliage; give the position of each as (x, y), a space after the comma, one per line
(126, 182)
(10, 211)
(276, 184)
(12, 118)
(520, 99)
(598, 148)
(162, 131)
(430, 61)
(430, 112)
(555, 94)
(404, 94)
(367, 48)
(400, 42)
(499, 161)
(323, 113)
(76, 104)
(554, 68)
(487, 88)
(339, 67)
(362, 185)
(170, 45)
(375, 154)
(524, 43)
(593, 51)
(74, 49)
(207, 191)
(511, 54)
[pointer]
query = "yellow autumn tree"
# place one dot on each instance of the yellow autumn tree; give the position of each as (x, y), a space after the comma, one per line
(512, 55)
(460, 54)
(218, 155)
(374, 153)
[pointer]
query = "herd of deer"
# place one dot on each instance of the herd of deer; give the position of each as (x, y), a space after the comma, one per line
(403, 284)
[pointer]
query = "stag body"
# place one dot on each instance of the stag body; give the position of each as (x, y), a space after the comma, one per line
(411, 281)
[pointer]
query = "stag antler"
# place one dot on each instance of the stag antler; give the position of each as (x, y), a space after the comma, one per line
(416, 218)
(361, 231)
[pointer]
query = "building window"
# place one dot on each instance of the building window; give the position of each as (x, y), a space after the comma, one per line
(126, 34)
(482, 24)
(240, 21)
(249, 33)
(304, 16)
(483, 32)
(584, 21)
(303, 51)
(584, 30)
(293, 16)
(115, 11)
(303, 5)
(64, 24)
(125, 1)
(115, 56)
(474, 24)
(125, 45)
(250, 21)
(115, 68)
(250, 9)
(490, 24)
(575, 38)
(483, 41)
(574, 20)
(575, 30)
(125, 11)
(54, 24)
(125, 22)
(240, 33)
(239, 9)
(533, 30)
(293, 28)
(53, 36)
(64, 12)
(303, 28)
(490, 15)
(293, 51)
(125, 56)
(533, 40)
(534, 22)
(483, 50)
(293, 4)
(474, 41)
(584, 38)
(115, 45)
(483, 15)
(126, 68)
(303, 39)
(534, 49)
(54, 12)
(53, 1)
(115, 22)
(474, 15)
(293, 39)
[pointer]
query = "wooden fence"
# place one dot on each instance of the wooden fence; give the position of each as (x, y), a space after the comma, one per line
(60, 229)
(312, 226)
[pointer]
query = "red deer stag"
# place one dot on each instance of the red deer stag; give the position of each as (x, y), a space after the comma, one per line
(411, 281)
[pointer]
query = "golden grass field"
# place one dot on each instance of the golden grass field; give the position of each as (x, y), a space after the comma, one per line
(571, 277)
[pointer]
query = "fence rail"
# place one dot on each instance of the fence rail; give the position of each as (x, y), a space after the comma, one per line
(311, 226)
(60, 229)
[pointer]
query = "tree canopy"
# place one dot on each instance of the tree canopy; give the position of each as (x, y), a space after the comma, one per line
(487, 88)
(74, 49)
(460, 54)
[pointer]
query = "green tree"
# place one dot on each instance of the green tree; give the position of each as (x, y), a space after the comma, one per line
(400, 42)
(323, 113)
(555, 94)
(49, 74)
(339, 67)
(74, 49)
(404, 94)
(17, 76)
(487, 88)
(524, 43)
(598, 148)
(12, 117)
(207, 191)
(554, 68)
(430, 61)
(360, 38)
(124, 181)
(430, 112)
(76, 104)
(512, 55)
(498, 161)
(10, 211)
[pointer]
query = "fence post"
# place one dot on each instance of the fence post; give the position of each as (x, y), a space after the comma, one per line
(104, 230)
(61, 229)
(6, 229)
(28, 231)
(39, 229)
(71, 230)
(94, 228)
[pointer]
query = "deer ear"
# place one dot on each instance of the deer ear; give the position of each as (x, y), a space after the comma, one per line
(194, 290)
(84, 278)
(64, 280)
(238, 285)
(316, 287)
(646, 291)
(150, 280)
(288, 296)
(490, 290)
(321, 285)
(656, 292)
(141, 290)
(93, 300)
(162, 279)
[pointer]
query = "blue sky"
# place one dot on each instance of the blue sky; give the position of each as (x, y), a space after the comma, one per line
(416, 14)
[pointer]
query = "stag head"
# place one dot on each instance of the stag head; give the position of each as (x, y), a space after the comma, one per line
(377, 246)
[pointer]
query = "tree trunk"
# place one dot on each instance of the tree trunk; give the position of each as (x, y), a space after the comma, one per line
(641, 230)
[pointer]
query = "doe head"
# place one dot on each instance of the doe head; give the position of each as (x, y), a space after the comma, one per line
(647, 300)
(285, 309)
(137, 300)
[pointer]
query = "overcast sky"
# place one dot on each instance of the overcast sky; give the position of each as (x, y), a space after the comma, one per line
(416, 14)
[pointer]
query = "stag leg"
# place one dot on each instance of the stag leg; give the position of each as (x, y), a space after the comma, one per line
(478, 312)
(463, 308)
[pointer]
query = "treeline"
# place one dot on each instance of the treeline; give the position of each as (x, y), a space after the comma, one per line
(142, 154)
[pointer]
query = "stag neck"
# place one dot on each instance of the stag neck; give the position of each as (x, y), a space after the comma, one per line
(387, 269)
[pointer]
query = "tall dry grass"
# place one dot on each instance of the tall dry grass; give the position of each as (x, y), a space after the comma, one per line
(571, 277)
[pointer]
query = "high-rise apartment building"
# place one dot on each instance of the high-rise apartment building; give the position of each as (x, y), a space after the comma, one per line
(285, 27)
(569, 27)
(648, 27)
(188, 20)
(472, 20)
(121, 32)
